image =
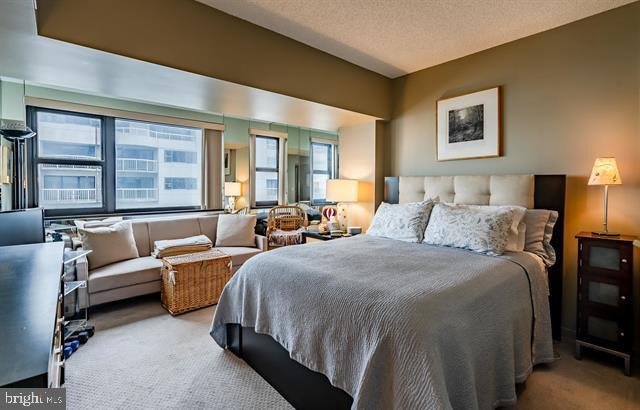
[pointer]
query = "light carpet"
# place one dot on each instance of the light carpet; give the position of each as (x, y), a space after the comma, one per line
(143, 358)
(147, 359)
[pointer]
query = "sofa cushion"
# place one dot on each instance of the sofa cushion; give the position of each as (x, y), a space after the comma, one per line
(239, 254)
(176, 228)
(125, 273)
(109, 244)
(236, 230)
(141, 235)
(208, 226)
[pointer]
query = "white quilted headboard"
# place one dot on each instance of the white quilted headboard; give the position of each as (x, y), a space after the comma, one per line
(470, 190)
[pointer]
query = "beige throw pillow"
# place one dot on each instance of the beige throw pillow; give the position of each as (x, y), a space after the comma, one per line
(540, 223)
(109, 244)
(236, 230)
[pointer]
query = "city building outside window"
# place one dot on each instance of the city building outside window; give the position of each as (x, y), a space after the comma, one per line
(267, 171)
(69, 160)
(324, 166)
(98, 164)
(166, 157)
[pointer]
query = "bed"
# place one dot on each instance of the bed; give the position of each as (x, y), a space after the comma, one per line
(364, 322)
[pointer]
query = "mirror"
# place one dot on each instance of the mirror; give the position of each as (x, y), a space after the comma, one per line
(235, 163)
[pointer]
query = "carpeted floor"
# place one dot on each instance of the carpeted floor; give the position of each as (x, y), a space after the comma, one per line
(143, 358)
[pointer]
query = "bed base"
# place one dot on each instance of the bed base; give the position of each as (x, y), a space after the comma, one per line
(301, 387)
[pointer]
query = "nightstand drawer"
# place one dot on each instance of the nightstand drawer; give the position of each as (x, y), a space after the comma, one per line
(605, 257)
(598, 327)
(603, 290)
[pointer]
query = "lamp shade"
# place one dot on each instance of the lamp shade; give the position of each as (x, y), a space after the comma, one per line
(342, 190)
(605, 172)
(232, 189)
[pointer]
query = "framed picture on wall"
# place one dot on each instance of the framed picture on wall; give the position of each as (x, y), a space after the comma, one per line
(6, 173)
(469, 126)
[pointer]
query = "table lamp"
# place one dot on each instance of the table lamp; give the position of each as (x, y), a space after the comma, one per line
(231, 191)
(605, 172)
(342, 191)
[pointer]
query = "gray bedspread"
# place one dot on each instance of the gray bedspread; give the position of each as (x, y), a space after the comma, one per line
(395, 324)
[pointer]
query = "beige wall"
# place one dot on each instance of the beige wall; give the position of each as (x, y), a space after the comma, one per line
(193, 37)
(361, 158)
(570, 95)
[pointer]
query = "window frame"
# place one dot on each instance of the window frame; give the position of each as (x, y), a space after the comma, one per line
(107, 164)
(265, 204)
(332, 159)
(33, 176)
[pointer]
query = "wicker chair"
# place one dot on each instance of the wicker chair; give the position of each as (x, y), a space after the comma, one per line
(285, 225)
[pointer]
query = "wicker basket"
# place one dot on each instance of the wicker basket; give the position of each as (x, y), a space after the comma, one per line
(194, 280)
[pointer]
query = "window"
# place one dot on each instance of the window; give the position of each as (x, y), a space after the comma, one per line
(267, 175)
(69, 160)
(324, 163)
(138, 147)
(180, 183)
(70, 186)
(98, 164)
(65, 136)
(187, 157)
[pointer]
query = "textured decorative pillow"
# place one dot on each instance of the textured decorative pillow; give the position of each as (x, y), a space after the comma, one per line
(236, 230)
(404, 222)
(109, 244)
(516, 239)
(481, 229)
(540, 223)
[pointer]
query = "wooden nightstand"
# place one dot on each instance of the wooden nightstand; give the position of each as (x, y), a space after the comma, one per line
(605, 306)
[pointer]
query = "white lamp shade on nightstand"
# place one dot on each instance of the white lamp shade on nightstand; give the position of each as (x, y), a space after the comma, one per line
(342, 190)
(605, 172)
(232, 189)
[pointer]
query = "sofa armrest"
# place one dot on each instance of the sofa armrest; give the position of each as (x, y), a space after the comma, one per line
(261, 242)
(82, 273)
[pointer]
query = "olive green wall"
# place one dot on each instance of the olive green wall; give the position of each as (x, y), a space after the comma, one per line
(569, 95)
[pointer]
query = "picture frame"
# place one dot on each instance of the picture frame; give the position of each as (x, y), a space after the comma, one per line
(6, 173)
(469, 126)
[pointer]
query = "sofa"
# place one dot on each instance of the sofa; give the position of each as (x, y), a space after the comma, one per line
(142, 275)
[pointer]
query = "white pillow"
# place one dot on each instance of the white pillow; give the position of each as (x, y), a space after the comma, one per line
(403, 222)
(481, 229)
(516, 239)
(236, 230)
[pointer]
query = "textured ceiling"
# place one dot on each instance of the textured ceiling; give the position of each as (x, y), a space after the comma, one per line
(397, 37)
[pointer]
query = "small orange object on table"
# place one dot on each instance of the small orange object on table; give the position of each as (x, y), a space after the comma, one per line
(195, 280)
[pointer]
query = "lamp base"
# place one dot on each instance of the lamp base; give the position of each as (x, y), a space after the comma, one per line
(605, 233)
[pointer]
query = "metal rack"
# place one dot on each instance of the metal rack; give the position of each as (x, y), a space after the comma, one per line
(80, 318)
